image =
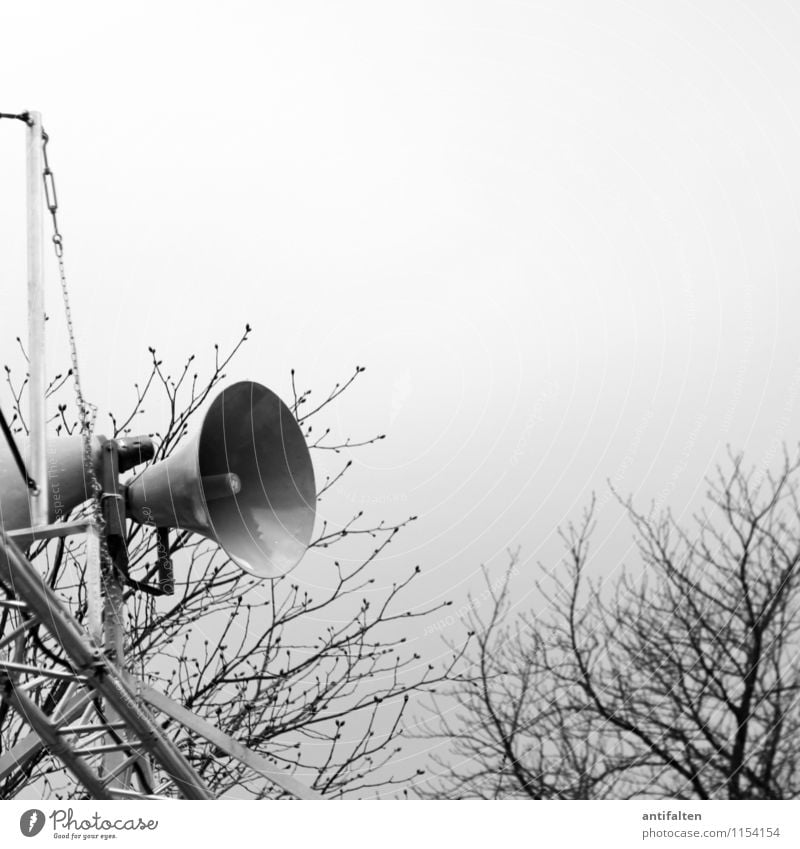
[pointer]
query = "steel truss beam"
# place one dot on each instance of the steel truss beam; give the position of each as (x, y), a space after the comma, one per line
(93, 676)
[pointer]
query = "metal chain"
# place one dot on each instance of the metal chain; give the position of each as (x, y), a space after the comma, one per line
(86, 411)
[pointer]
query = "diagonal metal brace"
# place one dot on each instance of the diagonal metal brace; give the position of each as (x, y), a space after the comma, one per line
(102, 677)
(228, 745)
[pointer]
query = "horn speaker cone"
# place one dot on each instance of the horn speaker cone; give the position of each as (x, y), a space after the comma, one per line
(245, 480)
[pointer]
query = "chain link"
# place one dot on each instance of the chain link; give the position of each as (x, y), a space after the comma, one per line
(51, 199)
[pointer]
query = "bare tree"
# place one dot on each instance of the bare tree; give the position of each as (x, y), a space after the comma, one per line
(680, 680)
(318, 684)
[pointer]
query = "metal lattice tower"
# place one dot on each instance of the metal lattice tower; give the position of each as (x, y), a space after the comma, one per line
(78, 730)
(108, 729)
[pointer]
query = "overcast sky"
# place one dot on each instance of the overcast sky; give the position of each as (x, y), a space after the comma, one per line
(561, 236)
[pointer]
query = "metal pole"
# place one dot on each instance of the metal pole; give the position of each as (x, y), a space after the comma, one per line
(114, 642)
(114, 625)
(92, 581)
(37, 464)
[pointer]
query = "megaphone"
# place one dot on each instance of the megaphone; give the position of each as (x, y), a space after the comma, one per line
(244, 480)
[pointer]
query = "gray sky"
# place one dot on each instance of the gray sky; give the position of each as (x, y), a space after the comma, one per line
(562, 237)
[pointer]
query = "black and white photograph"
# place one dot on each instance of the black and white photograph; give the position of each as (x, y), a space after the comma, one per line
(400, 402)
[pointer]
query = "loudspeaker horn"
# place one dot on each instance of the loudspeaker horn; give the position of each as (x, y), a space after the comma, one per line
(244, 480)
